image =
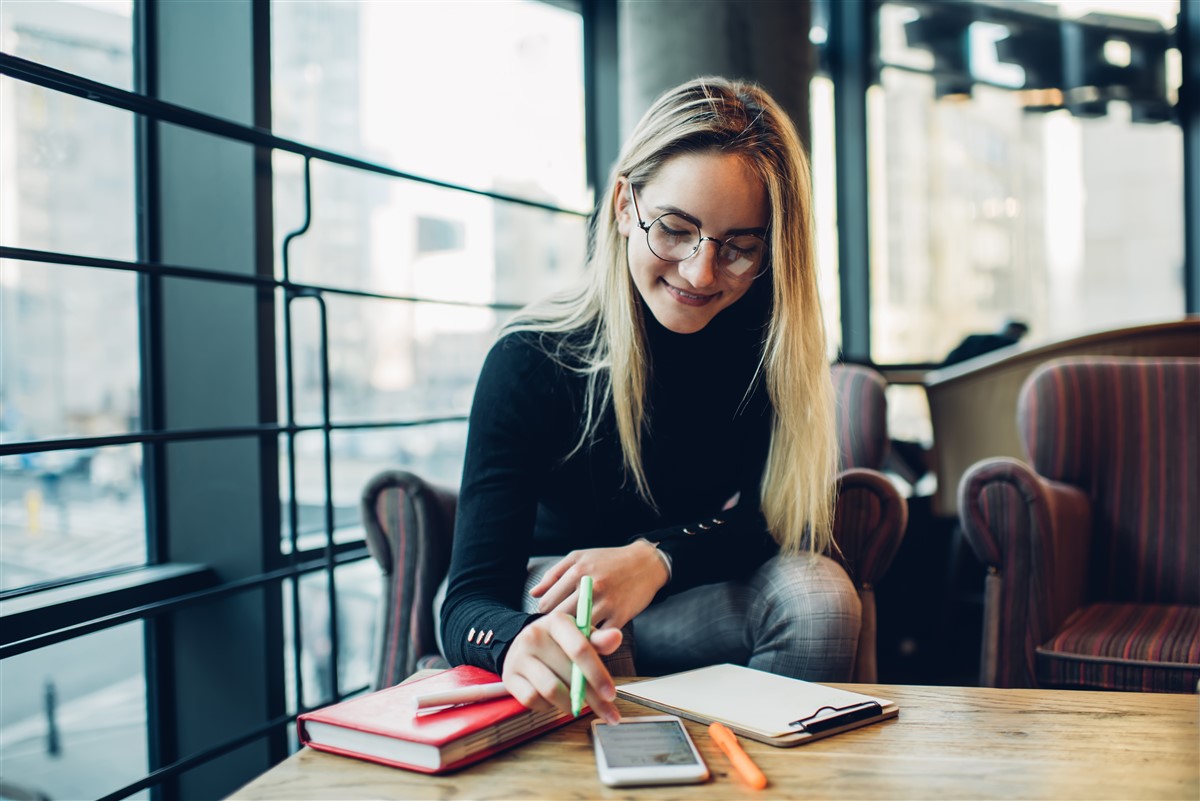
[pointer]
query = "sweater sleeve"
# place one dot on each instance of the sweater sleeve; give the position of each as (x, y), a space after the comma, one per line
(716, 541)
(730, 544)
(505, 464)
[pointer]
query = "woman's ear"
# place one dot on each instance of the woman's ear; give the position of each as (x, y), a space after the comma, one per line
(622, 207)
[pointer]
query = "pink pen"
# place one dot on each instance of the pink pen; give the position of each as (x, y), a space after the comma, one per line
(462, 695)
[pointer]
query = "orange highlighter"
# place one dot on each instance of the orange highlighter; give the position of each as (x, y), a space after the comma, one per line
(740, 760)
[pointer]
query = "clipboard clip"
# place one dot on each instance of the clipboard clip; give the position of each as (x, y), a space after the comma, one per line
(841, 715)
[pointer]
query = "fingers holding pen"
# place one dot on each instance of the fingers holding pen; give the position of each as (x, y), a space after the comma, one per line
(538, 688)
(600, 691)
(579, 651)
(602, 694)
(533, 671)
(537, 669)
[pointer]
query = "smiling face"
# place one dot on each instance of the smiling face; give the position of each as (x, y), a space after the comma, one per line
(722, 195)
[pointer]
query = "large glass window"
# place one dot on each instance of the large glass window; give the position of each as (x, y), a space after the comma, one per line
(409, 277)
(91, 38)
(359, 588)
(487, 95)
(460, 261)
(68, 335)
(496, 107)
(73, 717)
(985, 208)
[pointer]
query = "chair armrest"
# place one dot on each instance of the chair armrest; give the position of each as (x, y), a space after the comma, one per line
(1034, 537)
(868, 524)
(410, 526)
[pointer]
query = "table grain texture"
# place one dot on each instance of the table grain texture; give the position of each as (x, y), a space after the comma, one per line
(947, 743)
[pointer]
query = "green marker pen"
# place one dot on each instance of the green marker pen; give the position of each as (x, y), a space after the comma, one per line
(583, 619)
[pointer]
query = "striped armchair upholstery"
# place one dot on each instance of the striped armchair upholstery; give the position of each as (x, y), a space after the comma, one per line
(868, 527)
(409, 524)
(1093, 546)
(871, 513)
(861, 416)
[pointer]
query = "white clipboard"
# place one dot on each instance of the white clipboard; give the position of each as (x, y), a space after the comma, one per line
(772, 709)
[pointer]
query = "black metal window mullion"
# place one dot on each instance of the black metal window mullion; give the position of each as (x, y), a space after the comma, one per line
(1187, 37)
(849, 57)
(289, 394)
(345, 553)
(161, 743)
(160, 269)
(327, 454)
(275, 685)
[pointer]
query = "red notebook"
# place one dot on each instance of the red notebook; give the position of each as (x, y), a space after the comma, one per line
(385, 726)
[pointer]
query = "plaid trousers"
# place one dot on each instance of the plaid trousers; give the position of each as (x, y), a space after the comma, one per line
(796, 616)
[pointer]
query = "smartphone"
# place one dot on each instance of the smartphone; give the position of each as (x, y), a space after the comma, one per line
(654, 749)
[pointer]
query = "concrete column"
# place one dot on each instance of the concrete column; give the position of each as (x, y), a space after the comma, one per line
(666, 42)
(218, 665)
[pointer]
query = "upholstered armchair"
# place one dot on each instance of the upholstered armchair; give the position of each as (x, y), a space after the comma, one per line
(1092, 546)
(862, 424)
(871, 514)
(410, 523)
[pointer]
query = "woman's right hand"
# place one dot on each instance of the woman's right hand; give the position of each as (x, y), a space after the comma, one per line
(537, 667)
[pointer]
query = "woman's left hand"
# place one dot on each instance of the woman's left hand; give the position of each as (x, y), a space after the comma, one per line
(624, 582)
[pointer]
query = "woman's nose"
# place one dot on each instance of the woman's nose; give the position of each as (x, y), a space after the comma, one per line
(700, 269)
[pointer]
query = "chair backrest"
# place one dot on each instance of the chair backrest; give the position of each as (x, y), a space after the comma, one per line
(861, 416)
(971, 404)
(1127, 432)
(410, 525)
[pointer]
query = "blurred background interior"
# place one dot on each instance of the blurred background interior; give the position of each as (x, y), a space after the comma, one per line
(253, 253)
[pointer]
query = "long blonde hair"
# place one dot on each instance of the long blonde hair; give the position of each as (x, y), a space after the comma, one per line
(706, 115)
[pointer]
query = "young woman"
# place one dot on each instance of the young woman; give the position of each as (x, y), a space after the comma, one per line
(668, 427)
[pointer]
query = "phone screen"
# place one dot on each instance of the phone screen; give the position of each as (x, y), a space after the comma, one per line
(642, 745)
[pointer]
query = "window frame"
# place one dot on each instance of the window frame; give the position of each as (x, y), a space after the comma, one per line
(851, 56)
(196, 745)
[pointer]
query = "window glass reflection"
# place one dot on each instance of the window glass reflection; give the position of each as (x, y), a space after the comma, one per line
(393, 236)
(389, 360)
(67, 161)
(68, 335)
(824, 169)
(70, 512)
(496, 104)
(73, 717)
(68, 352)
(93, 39)
(986, 211)
(434, 452)
(359, 593)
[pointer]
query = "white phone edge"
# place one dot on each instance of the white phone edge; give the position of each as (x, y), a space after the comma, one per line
(644, 776)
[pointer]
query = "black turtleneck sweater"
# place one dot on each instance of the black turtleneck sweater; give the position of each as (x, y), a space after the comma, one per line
(705, 442)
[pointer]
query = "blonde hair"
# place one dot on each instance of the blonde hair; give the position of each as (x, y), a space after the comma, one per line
(714, 115)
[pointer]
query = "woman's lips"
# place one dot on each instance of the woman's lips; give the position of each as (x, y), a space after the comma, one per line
(688, 298)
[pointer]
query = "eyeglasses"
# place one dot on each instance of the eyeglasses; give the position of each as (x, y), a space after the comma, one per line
(673, 237)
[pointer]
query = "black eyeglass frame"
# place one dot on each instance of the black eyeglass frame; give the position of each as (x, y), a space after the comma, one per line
(762, 267)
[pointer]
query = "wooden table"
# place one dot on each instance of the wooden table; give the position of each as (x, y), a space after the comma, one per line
(949, 742)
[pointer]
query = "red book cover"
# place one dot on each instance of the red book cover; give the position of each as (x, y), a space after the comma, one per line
(385, 726)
